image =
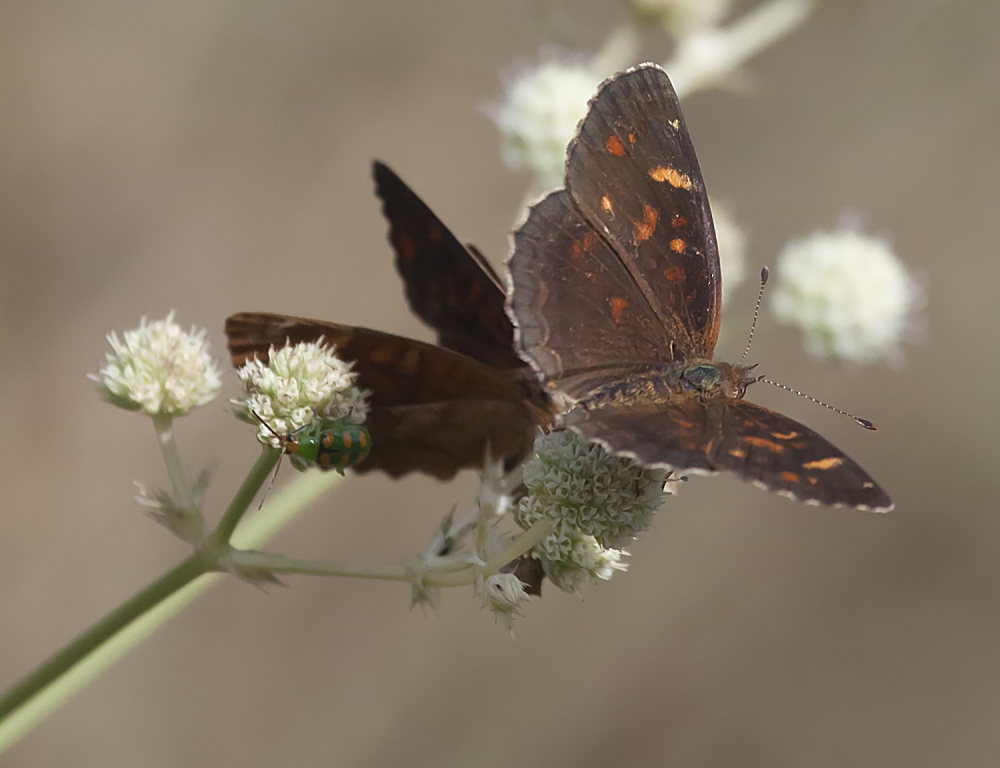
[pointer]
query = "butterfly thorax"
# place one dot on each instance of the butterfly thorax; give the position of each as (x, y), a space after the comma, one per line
(708, 380)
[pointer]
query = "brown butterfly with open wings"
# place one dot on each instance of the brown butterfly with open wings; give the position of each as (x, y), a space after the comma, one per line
(616, 299)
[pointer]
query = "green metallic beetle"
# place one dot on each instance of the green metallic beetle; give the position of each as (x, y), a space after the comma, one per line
(324, 443)
(328, 445)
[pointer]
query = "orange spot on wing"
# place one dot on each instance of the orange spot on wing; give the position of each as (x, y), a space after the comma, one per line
(644, 229)
(631, 138)
(345, 439)
(672, 176)
(675, 274)
(760, 442)
(618, 305)
(407, 250)
(812, 480)
(678, 221)
(830, 463)
(789, 477)
(737, 453)
(684, 423)
(410, 363)
(677, 245)
(435, 235)
(606, 204)
(381, 355)
(614, 146)
(581, 246)
(788, 436)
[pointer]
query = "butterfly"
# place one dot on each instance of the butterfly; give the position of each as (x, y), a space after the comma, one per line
(616, 299)
(433, 409)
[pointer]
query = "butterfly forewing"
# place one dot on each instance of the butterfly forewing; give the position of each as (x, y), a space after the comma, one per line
(633, 173)
(450, 287)
(577, 307)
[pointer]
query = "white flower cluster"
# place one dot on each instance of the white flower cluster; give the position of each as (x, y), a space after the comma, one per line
(299, 384)
(595, 502)
(159, 369)
(848, 293)
(540, 115)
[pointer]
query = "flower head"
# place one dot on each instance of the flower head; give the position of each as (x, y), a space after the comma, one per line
(595, 502)
(848, 293)
(299, 385)
(159, 369)
(540, 114)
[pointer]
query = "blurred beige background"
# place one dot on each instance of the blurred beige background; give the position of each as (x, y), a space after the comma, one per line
(214, 157)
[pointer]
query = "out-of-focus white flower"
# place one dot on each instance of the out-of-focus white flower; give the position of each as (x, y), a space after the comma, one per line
(503, 593)
(732, 249)
(299, 384)
(709, 56)
(159, 369)
(540, 114)
(681, 16)
(849, 293)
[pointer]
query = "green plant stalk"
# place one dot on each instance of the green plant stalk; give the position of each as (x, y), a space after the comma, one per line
(43, 691)
(99, 633)
(244, 497)
(449, 573)
(164, 426)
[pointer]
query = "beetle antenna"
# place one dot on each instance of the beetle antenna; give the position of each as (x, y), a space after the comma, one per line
(863, 422)
(756, 311)
(277, 466)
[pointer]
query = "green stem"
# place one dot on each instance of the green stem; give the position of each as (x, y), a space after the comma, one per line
(164, 426)
(244, 496)
(57, 665)
(33, 699)
(451, 572)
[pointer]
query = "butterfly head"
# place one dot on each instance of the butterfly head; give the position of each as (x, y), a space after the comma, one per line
(719, 379)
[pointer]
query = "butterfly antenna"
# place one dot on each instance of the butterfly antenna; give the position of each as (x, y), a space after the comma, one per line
(863, 422)
(277, 466)
(756, 311)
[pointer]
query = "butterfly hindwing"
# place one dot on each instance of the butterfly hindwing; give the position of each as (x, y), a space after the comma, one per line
(777, 452)
(756, 443)
(633, 173)
(577, 307)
